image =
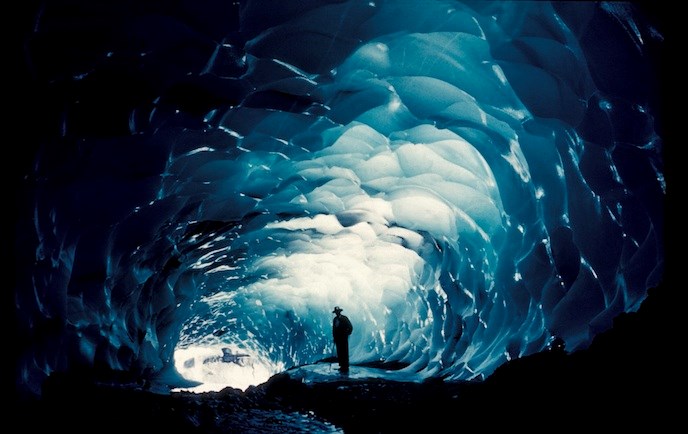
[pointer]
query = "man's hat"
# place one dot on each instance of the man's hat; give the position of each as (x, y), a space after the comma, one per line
(337, 309)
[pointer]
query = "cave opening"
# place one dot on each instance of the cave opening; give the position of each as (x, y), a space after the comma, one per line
(197, 192)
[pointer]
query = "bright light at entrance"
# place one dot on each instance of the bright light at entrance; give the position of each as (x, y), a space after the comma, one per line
(220, 366)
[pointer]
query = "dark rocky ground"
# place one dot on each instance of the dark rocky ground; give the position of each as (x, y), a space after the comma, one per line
(630, 377)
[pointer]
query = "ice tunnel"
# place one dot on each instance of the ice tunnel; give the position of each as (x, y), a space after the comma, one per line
(467, 180)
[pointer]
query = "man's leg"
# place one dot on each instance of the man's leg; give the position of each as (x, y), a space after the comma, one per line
(342, 354)
(344, 362)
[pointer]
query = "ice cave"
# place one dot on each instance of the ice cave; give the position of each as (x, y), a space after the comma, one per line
(469, 181)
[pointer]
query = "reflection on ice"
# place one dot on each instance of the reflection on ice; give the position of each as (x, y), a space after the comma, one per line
(325, 372)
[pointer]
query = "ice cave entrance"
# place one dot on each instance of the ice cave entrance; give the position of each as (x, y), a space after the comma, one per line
(219, 366)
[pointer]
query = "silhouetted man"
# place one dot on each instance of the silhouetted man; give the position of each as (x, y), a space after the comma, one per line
(341, 329)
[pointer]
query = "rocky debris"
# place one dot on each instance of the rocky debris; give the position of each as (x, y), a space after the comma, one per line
(619, 381)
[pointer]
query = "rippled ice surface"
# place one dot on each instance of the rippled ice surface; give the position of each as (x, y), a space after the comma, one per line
(467, 180)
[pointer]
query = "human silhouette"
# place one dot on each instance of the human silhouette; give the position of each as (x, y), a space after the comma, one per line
(341, 329)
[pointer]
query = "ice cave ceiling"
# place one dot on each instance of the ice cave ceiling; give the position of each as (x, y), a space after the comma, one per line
(466, 179)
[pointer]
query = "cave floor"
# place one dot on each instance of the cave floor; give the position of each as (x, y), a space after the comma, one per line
(607, 386)
(328, 372)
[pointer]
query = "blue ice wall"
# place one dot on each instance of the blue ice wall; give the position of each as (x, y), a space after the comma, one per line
(467, 180)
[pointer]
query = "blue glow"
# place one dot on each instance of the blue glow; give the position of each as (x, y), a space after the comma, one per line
(429, 173)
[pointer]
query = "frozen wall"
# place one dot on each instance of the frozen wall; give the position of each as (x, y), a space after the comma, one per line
(466, 180)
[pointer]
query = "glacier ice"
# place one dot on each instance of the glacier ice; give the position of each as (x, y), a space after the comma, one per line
(466, 179)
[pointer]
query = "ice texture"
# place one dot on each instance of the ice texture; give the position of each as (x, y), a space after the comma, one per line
(465, 179)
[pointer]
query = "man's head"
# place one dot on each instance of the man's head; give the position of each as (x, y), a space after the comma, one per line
(337, 310)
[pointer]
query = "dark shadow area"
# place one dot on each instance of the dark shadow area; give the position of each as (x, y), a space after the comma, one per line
(621, 380)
